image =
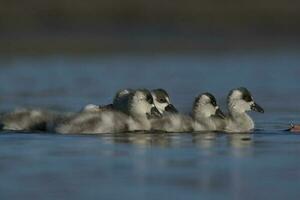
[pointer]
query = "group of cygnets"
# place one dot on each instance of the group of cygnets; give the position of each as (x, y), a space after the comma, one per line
(141, 110)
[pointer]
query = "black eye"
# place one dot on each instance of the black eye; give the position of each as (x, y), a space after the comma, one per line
(247, 97)
(162, 100)
(213, 102)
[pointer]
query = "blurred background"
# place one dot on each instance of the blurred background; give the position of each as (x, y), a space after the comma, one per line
(93, 26)
(67, 53)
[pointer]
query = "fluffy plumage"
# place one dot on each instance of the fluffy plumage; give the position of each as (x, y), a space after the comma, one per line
(29, 119)
(131, 112)
(240, 101)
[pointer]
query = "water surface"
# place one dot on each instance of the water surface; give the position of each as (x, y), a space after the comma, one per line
(262, 165)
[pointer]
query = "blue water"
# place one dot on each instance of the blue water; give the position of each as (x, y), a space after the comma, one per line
(263, 165)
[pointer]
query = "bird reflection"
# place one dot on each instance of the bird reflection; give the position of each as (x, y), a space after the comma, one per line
(240, 140)
(203, 140)
(141, 139)
(240, 144)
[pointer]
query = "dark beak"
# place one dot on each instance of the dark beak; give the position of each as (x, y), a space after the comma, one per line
(154, 113)
(255, 107)
(171, 109)
(220, 114)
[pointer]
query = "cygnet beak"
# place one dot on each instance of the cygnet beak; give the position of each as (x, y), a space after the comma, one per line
(220, 114)
(255, 107)
(171, 109)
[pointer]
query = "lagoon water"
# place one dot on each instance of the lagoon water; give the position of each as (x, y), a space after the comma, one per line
(262, 165)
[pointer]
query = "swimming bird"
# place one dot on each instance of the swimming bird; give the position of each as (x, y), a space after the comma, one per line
(162, 101)
(131, 113)
(139, 105)
(204, 113)
(239, 102)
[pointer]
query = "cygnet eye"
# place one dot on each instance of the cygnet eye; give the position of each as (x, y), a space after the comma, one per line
(247, 97)
(162, 100)
(213, 102)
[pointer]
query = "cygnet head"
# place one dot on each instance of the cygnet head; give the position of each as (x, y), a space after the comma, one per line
(141, 104)
(240, 100)
(121, 95)
(162, 101)
(205, 105)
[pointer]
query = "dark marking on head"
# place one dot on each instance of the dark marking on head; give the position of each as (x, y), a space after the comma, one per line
(246, 95)
(161, 95)
(213, 100)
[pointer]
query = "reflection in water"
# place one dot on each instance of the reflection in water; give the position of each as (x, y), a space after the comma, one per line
(202, 169)
(240, 140)
(240, 144)
(198, 165)
(140, 139)
(204, 140)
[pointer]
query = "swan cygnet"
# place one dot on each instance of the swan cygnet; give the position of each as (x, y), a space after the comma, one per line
(206, 114)
(239, 102)
(139, 105)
